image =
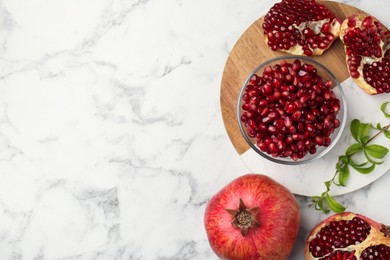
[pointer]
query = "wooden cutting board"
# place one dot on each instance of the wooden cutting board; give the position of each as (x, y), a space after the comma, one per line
(251, 50)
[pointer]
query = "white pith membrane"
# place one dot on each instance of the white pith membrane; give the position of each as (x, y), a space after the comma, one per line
(365, 59)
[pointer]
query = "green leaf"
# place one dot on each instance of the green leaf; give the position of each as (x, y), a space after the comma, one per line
(354, 127)
(354, 164)
(383, 109)
(320, 206)
(354, 149)
(334, 205)
(369, 158)
(376, 151)
(379, 126)
(343, 171)
(365, 139)
(387, 133)
(363, 133)
(343, 176)
(365, 170)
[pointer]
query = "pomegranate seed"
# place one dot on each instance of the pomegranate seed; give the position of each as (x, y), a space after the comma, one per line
(263, 147)
(323, 45)
(308, 68)
(252, 108)
(267, 89)
(327, 95)
(296, 115)
(262, 127)
(351, 22)
(301, 127)
(292, 129)
(267, 120)
(325, 28)
(272, 130)
(367, 22)
(308, 32)
(319, 140)
(264, 112)
(267, 70)
(244, 118)
(336, 123)
(310, 128)
(276, 82)
(263, 103)
(246, 106)
(294, 156)
(336, 106)
(272, 115)
(355, 74)
(296, 66)
(287, 153)
(327, 141)
(287, 121)
(310, 117)
(290, 108)
(251, 132)
(300, 146)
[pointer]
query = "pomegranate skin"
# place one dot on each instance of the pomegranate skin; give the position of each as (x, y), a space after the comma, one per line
(278, 218)
(377, 235)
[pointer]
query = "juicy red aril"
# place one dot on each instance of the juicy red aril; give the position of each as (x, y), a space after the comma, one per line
(339, 234)
(367, 22)
(290, 120)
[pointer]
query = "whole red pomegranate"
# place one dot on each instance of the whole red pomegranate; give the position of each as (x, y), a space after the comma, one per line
(253, 217)
(348, 236)
(301, 27)
(367, 48)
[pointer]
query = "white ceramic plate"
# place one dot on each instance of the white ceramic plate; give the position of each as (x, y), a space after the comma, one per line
(308, 179)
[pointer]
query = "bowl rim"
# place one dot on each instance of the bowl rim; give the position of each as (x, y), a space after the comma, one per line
(287, 161)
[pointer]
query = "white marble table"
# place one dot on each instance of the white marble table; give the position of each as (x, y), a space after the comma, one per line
(111, 136)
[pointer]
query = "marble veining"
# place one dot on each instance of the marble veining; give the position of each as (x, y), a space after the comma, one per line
(111, 136)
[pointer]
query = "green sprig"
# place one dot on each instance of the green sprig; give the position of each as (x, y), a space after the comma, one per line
(374, 154)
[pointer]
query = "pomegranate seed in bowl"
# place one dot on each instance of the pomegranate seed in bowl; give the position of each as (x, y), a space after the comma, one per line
(291, 110)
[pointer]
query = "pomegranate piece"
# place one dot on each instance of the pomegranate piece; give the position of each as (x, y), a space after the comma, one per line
(348, 236)
(367, 47)
(289, 115)
(300, 27)
(253, 217)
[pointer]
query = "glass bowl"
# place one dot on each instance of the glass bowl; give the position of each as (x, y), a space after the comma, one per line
(312, 137)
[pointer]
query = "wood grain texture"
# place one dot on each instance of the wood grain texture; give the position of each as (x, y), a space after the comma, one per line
(251, 50)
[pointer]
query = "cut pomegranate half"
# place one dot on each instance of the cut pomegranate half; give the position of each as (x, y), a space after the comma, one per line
(300, 27)
(367, 48)
(348, 236)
